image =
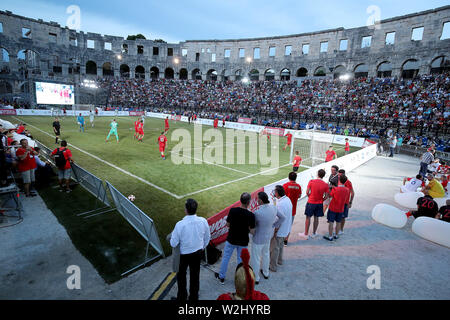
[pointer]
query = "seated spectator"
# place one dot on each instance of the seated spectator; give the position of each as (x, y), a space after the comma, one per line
(444, 212)
(244, 281)
(426, 207)
(434, 187)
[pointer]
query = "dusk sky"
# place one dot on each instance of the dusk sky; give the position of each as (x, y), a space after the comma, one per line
(176, 21)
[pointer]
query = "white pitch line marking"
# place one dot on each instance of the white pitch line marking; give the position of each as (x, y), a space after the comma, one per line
(215, 164)
(112, 165)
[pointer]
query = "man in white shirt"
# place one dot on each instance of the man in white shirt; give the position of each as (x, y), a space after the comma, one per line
(193, 235)
(282, 228)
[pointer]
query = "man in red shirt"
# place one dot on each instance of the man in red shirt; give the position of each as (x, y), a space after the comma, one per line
(330, 154)
(339, 197)
(216, 123)
(140, 129)
(293, 191)
(162, 141)
(347, 146)
(223, 122)
(289, 140)
(63, 159)
(316, 191)
(348, 204)
(20, 128)
(26, 165)
(136, 128)
(296, 162)
(166, 124)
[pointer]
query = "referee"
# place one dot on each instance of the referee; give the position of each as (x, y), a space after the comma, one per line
(425, 161)
(56, 129)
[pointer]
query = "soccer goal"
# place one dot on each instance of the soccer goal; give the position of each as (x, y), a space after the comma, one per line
(311, 146)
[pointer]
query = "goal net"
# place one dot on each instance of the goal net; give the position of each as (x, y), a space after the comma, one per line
(311, 146)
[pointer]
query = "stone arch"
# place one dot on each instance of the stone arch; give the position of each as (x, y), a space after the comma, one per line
(169, 73)
(107, 69)
(226, 75)
(28, 56)
(183, 74)
(440, 65)
(24, 87)
(211, 75)
(253, 75)
(410, 68)
(301, 72)
(124, 71)
(269, 75)
(238, 74)
(139, 72)
(154, 73)
(91, 67)
(361, 70)
(320, 71)
(5, 55)
(285, 74)
(196, 74)
(384, 69)
(5, 87)
(339, 71)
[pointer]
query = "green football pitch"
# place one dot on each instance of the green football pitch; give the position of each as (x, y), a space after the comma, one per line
(206, 173)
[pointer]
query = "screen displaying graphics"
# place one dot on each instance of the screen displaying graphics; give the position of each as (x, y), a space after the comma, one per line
(54, 93)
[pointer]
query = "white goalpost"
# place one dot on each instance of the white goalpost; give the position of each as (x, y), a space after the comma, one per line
(311, 146)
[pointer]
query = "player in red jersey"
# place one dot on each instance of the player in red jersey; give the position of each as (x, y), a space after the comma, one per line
(223, 122)
(162, 141)
(136, 125)
(348, 205)
(339, 197)
(347, 146)
(140, 130)
(293, 191)
(296, 162)
(166, 125)
(289, 140)
(216, 123)
(330, 154)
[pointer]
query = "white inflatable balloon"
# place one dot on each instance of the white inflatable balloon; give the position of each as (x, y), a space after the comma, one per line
(7, 125)
(408, 199)
(389, 215)
(441, 201)
(431, 229)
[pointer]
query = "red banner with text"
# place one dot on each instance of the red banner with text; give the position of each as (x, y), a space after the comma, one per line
(136, 113)
(8, 112)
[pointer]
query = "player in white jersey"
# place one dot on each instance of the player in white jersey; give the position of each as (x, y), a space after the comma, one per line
(91, 118)
(411, 184)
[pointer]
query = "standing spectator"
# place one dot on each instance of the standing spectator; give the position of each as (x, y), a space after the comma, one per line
(316, 191)
(333, 181)
(43, 171)
(240, 222)
(392, 145)
(349, 202)
(293, 191)
(193, 235)
(282, 228)
(265, 217)
(339, 196)
(63, 160)
(330, 154)
(399, 144)
(244, 281)
(427, 159)
(26, 164)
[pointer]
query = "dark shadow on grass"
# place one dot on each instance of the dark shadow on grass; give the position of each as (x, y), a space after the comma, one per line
(107, 240)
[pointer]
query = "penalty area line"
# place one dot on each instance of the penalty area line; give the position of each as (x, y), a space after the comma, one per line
(110, 164)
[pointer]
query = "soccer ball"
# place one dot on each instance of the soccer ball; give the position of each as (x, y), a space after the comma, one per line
(131, 197)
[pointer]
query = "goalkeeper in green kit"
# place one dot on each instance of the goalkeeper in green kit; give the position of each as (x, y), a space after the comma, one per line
(113, 130)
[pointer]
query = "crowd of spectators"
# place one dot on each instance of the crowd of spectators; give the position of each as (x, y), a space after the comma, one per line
(418, 108)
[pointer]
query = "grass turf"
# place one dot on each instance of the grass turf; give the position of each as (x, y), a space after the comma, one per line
(143, 160)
